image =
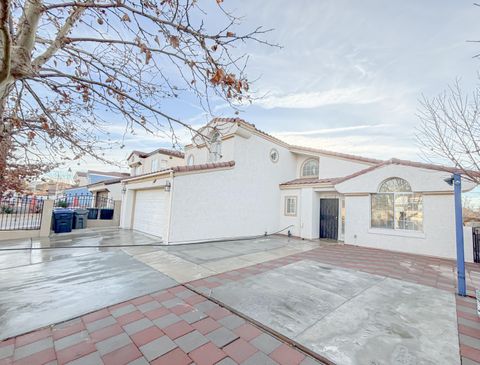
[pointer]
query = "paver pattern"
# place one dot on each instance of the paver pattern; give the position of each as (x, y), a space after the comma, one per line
(178, 326)
(434, 272)
(171, 327)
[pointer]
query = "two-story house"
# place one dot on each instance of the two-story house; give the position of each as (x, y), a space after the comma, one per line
(160, 159)
(237, 181)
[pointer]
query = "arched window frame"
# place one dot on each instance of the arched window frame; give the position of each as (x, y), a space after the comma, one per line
(215, 152)
(190, 160)
(304, 165)
(396, 207)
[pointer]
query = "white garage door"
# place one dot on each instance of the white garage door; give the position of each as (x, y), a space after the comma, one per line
(150, 214)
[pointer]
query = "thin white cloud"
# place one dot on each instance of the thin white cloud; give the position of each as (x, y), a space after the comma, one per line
(316, 99)
(328, 130)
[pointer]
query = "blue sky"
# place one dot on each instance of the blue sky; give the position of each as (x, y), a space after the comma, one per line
(349, 75)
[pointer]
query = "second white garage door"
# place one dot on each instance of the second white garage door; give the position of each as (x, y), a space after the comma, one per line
(150, 214)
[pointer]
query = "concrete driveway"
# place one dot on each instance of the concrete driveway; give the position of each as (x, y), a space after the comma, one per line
(50, 280)
(349, 317)
(346, 304)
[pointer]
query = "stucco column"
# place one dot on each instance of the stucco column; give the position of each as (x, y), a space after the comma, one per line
(306, 213)
(46, 218)
(117, 209)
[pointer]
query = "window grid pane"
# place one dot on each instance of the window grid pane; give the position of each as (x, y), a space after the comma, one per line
(291, 205)
(382, 211)
(310, 168)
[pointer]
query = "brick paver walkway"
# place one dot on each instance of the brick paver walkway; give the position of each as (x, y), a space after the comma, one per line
(171, 327)
(439, 273)
(178, 326)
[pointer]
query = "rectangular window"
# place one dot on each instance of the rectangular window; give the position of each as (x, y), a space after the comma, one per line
(291, 205)
(163, 164)
(403, 211)
(154, 165)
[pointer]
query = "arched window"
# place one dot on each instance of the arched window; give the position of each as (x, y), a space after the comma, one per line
(310, 168)
(395, 206)
(215, 147)
(190, 160)
(395, 185)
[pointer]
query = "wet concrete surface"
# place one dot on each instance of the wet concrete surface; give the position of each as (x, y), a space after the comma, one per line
(208, 252)
(348, 316)
(34, 296)
(191, 262)
(97, 241)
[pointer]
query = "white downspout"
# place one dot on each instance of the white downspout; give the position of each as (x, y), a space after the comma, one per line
(170, 206)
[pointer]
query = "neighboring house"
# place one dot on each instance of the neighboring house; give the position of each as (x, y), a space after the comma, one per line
(107, 189)
(84, 179)
(49, 189)
(238, 181)
(160, 159)
(80, 178)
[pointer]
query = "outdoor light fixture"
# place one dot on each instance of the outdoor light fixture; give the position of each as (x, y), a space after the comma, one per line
(449, 180)
(124, 189)
(168, 186)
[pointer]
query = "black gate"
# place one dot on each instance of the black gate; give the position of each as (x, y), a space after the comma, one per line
(476, 244)
(329, 218)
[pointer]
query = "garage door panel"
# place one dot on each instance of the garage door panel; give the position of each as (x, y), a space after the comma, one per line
(150, 211)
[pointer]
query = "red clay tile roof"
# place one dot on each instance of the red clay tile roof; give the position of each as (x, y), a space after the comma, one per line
(205, 166)
(338, 154)
(310, 181)
(289, 146)
(201, 167)
(396, 161)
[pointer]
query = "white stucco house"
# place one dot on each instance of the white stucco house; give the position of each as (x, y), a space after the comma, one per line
(235, 181)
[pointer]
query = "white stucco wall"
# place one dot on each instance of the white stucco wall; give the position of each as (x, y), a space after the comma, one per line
(115, 191)
(437, 238)
(330, 166)
(242, 201)
(337, 167)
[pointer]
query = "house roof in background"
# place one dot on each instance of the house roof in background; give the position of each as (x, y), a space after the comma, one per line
(107, 182)
(109, 173)
(163, 151)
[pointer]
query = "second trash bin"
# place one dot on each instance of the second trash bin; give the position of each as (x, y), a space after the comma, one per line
(62, 220)
(80, 218)
(92, 213)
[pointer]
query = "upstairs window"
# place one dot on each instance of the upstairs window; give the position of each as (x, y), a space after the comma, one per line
(190, 160)
(395, 206)
(215, 147)
(310, 168)
(154, 165)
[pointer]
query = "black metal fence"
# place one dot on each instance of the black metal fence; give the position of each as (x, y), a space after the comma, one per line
(19, 213)
(476, 244)
(84, 201)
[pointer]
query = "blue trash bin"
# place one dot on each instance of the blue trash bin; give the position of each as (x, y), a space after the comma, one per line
(62, 220)
(106, 213)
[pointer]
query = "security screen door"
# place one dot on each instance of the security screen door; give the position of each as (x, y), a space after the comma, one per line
(329, 218)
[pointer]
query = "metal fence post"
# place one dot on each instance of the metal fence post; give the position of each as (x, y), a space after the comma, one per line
(457, 187)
